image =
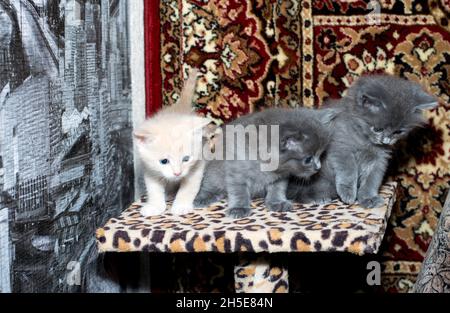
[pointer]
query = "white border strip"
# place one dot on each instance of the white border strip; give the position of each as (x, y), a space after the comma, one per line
(137, 64)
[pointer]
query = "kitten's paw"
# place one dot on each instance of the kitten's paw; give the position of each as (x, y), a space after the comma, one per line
(203, 202)
(152, 209)
(321, 201)
(373, 202)
(282, 206)
(347, 195)
(181, 208)
(238, 212)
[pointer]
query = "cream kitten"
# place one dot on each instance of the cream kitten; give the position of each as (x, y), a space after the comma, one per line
(169, 145)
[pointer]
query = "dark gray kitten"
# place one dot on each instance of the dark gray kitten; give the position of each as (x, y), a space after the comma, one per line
(378, 111)
(302, 141)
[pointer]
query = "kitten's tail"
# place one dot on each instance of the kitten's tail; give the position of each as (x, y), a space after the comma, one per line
(184, 104)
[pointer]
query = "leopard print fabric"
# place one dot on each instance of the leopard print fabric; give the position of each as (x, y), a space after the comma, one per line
(258, 273)
(308, 228)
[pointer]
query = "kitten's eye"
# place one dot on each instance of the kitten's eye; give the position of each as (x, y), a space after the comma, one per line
(398, 132)
(186, 158)
(308, 160)
(164, 161)
(377, 129)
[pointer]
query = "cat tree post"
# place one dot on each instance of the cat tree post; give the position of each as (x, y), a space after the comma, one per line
(257, 273)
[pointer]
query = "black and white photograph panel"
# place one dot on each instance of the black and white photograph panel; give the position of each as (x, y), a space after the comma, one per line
(66, 162)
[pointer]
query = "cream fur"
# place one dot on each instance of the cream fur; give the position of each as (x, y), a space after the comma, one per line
(172, 134)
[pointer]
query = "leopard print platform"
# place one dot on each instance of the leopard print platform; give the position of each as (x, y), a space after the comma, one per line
(308, 228)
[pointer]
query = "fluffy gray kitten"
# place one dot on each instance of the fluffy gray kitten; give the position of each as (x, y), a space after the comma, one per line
(378, 111)
(302, 141)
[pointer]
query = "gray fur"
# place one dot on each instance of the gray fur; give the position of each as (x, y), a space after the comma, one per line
(378, 111)
(301, 136)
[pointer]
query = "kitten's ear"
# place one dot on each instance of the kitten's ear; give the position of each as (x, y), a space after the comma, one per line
(141, 136)
(368, 101)
(426, 106)
(210, 130)
(423, 100)
(426, 102)
(206, 127)
(292, 142)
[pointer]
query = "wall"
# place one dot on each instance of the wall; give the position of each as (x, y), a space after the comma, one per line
(65, 137)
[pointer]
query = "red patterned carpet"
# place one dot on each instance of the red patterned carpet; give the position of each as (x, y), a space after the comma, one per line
(264, 53)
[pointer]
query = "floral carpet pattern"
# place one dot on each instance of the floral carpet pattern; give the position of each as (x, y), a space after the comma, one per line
(255, 54)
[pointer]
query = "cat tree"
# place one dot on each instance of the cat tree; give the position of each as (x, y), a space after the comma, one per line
(332, 227)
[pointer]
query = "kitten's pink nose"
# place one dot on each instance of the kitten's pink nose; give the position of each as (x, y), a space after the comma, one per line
(177, 174)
